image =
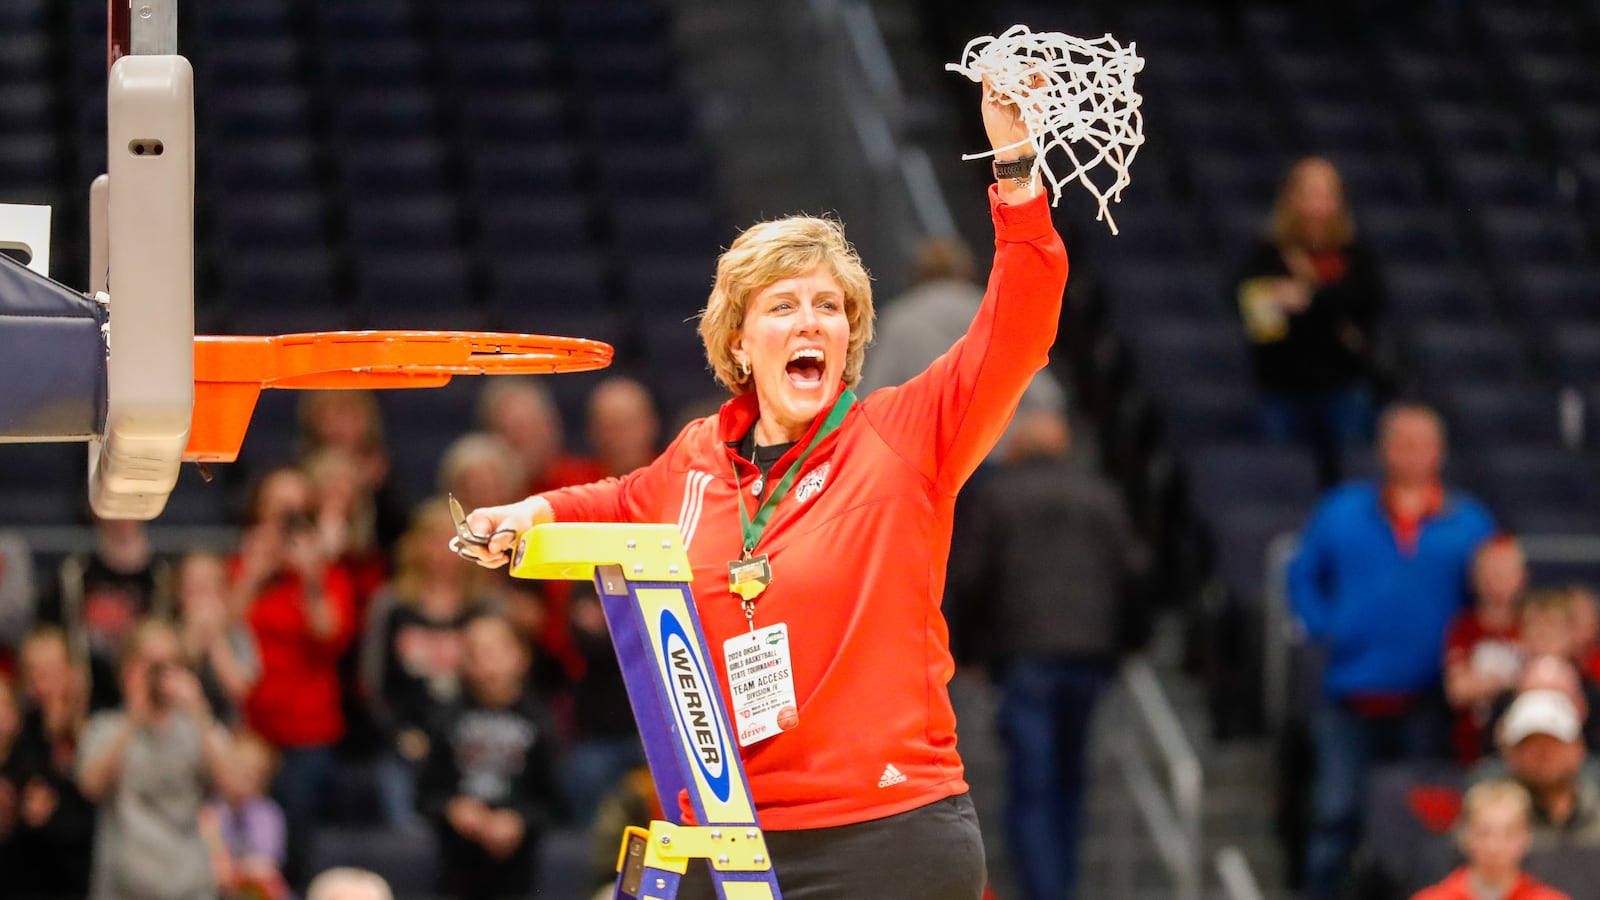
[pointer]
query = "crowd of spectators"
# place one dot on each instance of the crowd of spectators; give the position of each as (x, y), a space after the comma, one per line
(191, 723)
(1433, 645)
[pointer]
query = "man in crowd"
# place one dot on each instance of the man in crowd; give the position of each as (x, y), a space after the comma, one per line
(1382, 569)
(1059, 557)
(1541, 742)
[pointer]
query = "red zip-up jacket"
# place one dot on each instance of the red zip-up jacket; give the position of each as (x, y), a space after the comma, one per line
(858, 549)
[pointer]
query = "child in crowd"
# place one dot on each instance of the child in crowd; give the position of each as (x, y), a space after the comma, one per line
(489, 783)
(245, 827)
(1586, 630)
(1547, 624)
(1483, 654)
(216, 642)
(411, 653)
(1495, 837)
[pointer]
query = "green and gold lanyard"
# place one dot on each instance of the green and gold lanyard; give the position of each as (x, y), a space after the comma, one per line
(750, 574)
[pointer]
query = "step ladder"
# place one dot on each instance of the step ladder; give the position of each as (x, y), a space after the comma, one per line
(642, 575)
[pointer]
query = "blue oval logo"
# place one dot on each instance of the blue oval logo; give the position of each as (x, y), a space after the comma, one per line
(696, 703)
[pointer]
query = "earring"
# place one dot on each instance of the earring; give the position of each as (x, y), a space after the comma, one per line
(744, 367)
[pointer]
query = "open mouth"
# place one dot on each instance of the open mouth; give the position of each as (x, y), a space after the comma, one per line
(805, 369)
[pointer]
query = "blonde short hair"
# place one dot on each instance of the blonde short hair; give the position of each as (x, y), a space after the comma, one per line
(1495, 792)
(769, 252)
(346, 883)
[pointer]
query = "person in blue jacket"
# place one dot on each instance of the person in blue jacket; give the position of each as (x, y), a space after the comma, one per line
(1382, 567)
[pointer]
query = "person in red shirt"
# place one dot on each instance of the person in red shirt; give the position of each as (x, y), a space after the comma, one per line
(301, 609)
(1495, 837)
(863, 793)
(1483, 652)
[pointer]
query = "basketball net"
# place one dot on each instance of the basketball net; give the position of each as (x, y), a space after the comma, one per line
(1086, 104)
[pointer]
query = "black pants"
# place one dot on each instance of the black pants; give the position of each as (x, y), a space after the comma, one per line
(934, 852)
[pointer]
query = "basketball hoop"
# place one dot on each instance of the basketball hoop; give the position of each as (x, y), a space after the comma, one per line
(1087, 98)
(230, 371)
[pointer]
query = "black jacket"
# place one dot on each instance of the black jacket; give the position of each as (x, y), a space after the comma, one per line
(1331, 343)
(1059, 558)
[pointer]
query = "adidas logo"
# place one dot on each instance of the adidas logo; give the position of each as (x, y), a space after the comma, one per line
(891, 776)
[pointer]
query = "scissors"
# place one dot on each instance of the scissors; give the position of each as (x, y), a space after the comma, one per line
(466, 537)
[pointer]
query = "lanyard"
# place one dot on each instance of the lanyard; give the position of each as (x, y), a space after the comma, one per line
(753, 528)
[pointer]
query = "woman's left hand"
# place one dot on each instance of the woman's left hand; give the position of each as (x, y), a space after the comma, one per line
(1003, 122)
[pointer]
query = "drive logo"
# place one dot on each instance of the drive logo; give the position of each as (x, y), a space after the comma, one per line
(695, 704)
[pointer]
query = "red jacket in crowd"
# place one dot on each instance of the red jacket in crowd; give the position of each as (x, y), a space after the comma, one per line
(858, 549)
(296, 703)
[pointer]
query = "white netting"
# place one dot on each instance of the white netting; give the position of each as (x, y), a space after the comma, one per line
(1086, 98)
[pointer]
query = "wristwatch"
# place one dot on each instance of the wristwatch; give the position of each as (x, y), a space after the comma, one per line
(1018, 170)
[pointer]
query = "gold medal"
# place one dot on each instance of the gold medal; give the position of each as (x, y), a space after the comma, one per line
(750, 576)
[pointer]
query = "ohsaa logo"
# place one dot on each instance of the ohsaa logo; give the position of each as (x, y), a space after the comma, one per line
(810, 485)
(696, 705)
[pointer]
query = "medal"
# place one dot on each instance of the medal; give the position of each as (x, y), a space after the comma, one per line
(748, 577)
(750, 574)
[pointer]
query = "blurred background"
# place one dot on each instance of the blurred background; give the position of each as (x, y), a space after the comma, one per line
(573, 168)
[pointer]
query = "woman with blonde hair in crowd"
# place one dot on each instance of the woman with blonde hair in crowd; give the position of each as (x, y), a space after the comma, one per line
(411, 651)
(1310, 297)
(352, 422)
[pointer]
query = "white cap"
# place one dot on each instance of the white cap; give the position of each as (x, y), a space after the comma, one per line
(1540, 712)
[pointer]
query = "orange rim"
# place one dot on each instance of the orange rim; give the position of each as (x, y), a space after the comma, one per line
(231, 370)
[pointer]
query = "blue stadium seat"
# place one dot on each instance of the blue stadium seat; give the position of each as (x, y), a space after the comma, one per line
(1577, 349)
(297, 279)
(503, 64)
(1520, 234)
(386, 224)
(412, 279)
(1450, 353)
(549, 166)
(1203, 412)
(639, 116)
(392, 167)
(28, 163)
(244, 19)
(509, 226)
(236, 63)
(512, 117)
(1408, 234)
(666, 286)
(1435, 291)
(252, 113)
(286, 164)
(665, 227)
(1178, 354)
(35, 465)
(556, 281)
(1530, 484)
(375, 61)
(1226, 474)
(1500, 178)
(628, 172)
(1243, 534)
(390, 113)
(1560, 292)
(272, 221)
(1486, 415)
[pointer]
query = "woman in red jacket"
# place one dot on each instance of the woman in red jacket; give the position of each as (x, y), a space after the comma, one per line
(842, 507)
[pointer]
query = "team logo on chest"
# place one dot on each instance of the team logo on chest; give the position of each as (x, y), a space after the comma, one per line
(811, 485)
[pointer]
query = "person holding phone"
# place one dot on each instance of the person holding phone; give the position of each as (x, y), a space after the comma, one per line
(147, 766)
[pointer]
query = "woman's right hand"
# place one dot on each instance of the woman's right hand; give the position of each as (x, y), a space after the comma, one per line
(505, 524)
